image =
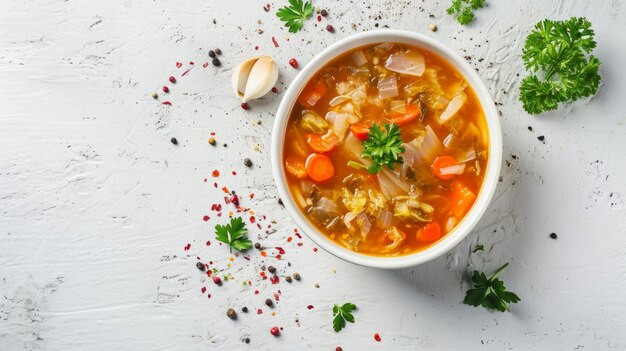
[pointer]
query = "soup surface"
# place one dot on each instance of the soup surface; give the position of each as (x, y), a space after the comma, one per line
(386, 149)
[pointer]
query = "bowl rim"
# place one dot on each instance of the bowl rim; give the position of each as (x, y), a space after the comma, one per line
(488, 186)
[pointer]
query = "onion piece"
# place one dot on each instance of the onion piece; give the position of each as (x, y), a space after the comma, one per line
(359, 58)
(397, 106)
(454, 169)
(348, 218)
(406, 62)
(391, 185)
(339, 123)
(388, 87)
(364, 224)
(385, 220)
(453, 107)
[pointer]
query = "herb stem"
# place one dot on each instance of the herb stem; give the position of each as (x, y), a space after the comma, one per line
(496, 273)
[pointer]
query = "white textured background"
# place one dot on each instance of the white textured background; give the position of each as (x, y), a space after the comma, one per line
(96, 204)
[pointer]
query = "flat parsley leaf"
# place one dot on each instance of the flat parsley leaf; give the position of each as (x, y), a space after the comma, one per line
(464, 9)
(341, 314)
(295, 14)
(383, 147)
(490, 292)
(561, 70)
(479, 247)
(234, 234)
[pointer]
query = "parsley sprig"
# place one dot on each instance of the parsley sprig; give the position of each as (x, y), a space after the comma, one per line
(295, 14)
(383, 146)
(234, 234)
(341, 314)
(464, 10)
(490, 292)
(561, 70)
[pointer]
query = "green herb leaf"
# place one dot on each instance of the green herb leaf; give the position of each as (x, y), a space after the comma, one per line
(341, 314)
(558, 52)
(464, 10)
(295, 14)
(478, 247)
(234, 234)
(490, 292)
(383, 147)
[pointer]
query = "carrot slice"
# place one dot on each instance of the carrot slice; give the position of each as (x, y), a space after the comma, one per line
(313, 92)
(360, 131)
(319, 168)
(412, 112)
(443, 162)
(295, 167)
(462, 199)
(322, 144)
(431, 232)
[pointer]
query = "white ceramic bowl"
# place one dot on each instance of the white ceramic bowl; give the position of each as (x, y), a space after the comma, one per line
(493, 165)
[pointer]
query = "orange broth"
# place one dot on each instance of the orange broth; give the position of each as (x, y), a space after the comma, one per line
(393, 212)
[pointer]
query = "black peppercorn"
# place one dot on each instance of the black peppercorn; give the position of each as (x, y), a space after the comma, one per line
(324, 12)
(247, 162)
(541, 138)
(272, 269)
(174, 141)
(200, 266)
(244, 309)
(216, 62)
(218, 51)
(269, 302)
(553, 236)
(296, 276)
(211, 54)
(257, 246)
(231, 313)
(246, 340)
(288, 279)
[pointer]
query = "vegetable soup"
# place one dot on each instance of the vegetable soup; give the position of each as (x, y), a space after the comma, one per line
(385, 149)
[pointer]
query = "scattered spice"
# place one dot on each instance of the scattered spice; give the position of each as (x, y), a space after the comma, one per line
(215, 174)
(246, 340)
(257, 246)
(266, 7)
(166, 89)
(288, 279)
(211, 54)
(244, 309)
(269, 302)
(338, 348)
(200, 266)
(330, 28)
(317, 285)
(247, 162)
(218, 51)
(275, 91)
(296, 276)
(174, 141)
(324, 12)
(377, 337)
(245, 106)
(154, 95)
(216, 62)
(294, 63)
(541, 138)
(271, 269)
(212, 141)
(172, 79)
(310, 307)
(275, 42)
(553, 236)
(530, 128)
(274, 331)
(179, 64)
(217, 280)
(432, 27)
(231, 313)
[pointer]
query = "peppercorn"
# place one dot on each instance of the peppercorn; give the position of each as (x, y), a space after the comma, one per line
(174, 141)
(246, 340)
(231, 313)
(432, 27)
(172, 79)
(244, 309)
(294, 63)
(216, 62)
(218, 51)
(330, 28)
(272, 269)
(288, 279)
(211, 54)
(324, 12)
(317, 285)
(269, 302)
(530, 128)
(155, 95)
(275, 331)
(338, 348)
(553, 236)
(247, 162)
(296, 276)
(165, 89)
(275, 91)
(541, 138)
(200, 266)
(245, 106)
(257, 246)
(217, 280)
(212, 141)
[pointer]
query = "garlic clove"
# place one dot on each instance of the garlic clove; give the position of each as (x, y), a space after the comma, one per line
(241, 74)
(261, 79)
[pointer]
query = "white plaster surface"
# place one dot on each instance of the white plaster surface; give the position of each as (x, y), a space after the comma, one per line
(96, 204)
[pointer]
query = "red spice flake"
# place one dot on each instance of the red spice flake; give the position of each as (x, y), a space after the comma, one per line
(205, 65)
(262, 273)
(289, 239)
(191, 63)
(277, 297)
(187, 247)
(185, 73)
(319, 18)
(258, 225)
(275, 42)
(206, 218)
(245, 106)
(252, 219)
(278, 257)
(310, 307)
(259, 311)
(215, 173)
(203, 290)
(299, 236)
(217, 280)
(295, 230)
(172, 79)
(266, 7)
(166, 89)
(377, 337)
(225, 189)
(235, 198)
(256, 47)
(315, 249)
(338, 348)
(294, 63)
(247, 258)
(215, 185)
(209, 273)
(208, 243)
(179, 65)
(252, 196)
(275, 90)
(219, 214)
(330, 28)
(299, 244)
(166, 103)
(274, 279)
(212, 133)
(280, 250)
(256, 292)
(205, 180)
(234, 173)
(275, 331)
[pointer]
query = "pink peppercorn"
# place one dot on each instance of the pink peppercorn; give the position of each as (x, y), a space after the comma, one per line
(245, 106)
(338, 348)
(275, 331)
(217, 280)
(330, 28)
(166, 89)
(294, 63)
(172, 79)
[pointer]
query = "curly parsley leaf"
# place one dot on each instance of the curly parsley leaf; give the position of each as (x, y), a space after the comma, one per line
(341, 314)
(234, 234)
(295, 14)
(383, 146)
(557, 55)
(464, 10)
(490, 292)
